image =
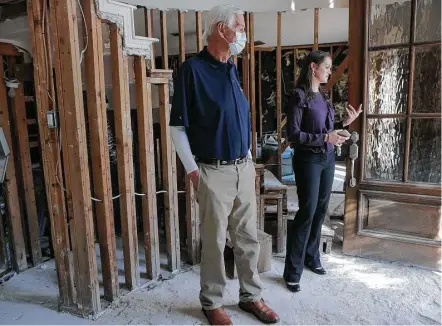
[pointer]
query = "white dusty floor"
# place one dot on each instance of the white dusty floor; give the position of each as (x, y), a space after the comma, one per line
(355, 291)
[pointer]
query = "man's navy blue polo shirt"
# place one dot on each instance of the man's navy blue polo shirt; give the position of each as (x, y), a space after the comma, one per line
(209, 102)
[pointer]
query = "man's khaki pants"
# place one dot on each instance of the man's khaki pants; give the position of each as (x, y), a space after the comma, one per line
(227, 201)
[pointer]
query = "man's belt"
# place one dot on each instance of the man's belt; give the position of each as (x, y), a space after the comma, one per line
(214, 161)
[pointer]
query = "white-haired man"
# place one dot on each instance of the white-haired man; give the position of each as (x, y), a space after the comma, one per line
(210, 127)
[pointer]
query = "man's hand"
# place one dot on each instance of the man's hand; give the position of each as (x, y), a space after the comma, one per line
(194, 176)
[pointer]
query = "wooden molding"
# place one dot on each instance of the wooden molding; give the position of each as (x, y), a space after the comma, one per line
(122, 15)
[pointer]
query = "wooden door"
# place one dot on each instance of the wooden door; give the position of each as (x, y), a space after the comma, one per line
(393, 212)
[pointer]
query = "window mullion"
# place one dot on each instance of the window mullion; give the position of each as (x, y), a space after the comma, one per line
(410, 90)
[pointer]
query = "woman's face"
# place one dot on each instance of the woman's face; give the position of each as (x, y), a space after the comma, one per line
(322, 71)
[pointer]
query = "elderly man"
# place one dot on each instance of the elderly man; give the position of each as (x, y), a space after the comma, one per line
(210, 127)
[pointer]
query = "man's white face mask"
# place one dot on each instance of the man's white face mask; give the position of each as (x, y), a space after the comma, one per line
(239, 45)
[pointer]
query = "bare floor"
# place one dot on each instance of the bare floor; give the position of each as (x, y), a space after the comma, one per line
(355, 291)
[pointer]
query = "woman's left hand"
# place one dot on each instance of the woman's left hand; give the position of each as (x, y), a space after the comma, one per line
(352, 114)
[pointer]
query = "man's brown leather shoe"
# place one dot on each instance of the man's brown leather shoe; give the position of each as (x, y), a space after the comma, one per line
(217, 316)
(261, 311)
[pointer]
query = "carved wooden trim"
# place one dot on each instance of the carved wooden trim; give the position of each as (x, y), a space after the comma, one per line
(122, 15)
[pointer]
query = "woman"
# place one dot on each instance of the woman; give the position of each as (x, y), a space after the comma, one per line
(313, 134)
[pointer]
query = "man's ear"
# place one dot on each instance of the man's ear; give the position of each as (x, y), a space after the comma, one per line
(221, 28)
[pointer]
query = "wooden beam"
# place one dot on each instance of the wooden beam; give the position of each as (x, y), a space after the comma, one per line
(192, 218)
(147, 169)
(157, 80)
(123, 134)
(49, 151)
(168, 156)
(97, 118)
(164, 50)
(182, 41)
(252, 81)
(278, 92)
(245, 60)
(316, 30)
(24, 155)
(358, 17)
(149, 32)
(12, 199)
(338, 51)
(73, 130)
(199, 31)
(338, 73)
(300, 46)
(193, 224)
(7, 49)
(260, 94)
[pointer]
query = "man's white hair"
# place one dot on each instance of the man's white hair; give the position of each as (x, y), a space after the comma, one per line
(221, 13)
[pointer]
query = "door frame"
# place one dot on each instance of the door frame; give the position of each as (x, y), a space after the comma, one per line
(357, 240)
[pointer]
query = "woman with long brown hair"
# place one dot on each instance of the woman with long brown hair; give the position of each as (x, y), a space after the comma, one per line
(312, 131)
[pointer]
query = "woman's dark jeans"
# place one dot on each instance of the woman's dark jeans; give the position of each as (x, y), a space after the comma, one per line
(314, 174)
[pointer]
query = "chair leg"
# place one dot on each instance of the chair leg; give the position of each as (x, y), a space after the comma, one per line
(280, 233)
(261, 215)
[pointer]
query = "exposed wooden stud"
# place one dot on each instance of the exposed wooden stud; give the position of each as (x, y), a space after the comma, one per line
(24, 155)
(164, 50)
(316, 30)
(337, 74)
(192, 218)
(158, 158)
(97, 118)
(11, 193)
(252, 81)
(149, 31)
(123, 135)
(303, 46)
(199, 31)
(157, 80)
(193, 224)
(331, 88)
(245, 59)
(73, 130)
(338, 51)
(50, 155)
(169, 182)
(182, 42)
(260, 94)
(278, 93)
(147, 169)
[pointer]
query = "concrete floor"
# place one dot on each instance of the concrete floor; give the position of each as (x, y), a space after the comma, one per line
(355, 291)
